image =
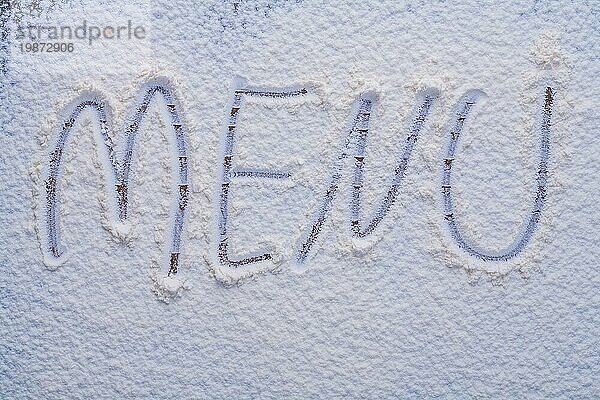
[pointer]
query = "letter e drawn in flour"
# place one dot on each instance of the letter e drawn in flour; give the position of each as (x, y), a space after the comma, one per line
(253, 263)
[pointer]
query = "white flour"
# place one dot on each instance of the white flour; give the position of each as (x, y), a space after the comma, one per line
(401, 313)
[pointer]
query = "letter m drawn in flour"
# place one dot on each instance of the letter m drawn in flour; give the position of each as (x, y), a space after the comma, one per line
(117, 171)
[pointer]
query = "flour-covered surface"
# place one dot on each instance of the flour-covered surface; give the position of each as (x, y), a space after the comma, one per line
(255, 138)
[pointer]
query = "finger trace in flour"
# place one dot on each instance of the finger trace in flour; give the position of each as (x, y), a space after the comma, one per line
(464, 108)
(117, 172)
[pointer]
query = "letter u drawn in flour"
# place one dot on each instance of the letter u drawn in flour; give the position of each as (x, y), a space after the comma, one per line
(463, 110)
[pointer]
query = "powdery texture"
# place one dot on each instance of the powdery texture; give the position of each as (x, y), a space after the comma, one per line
(402, 313)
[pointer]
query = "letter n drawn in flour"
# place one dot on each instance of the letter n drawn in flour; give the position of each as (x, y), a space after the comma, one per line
(253, 263)
(358, 134)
